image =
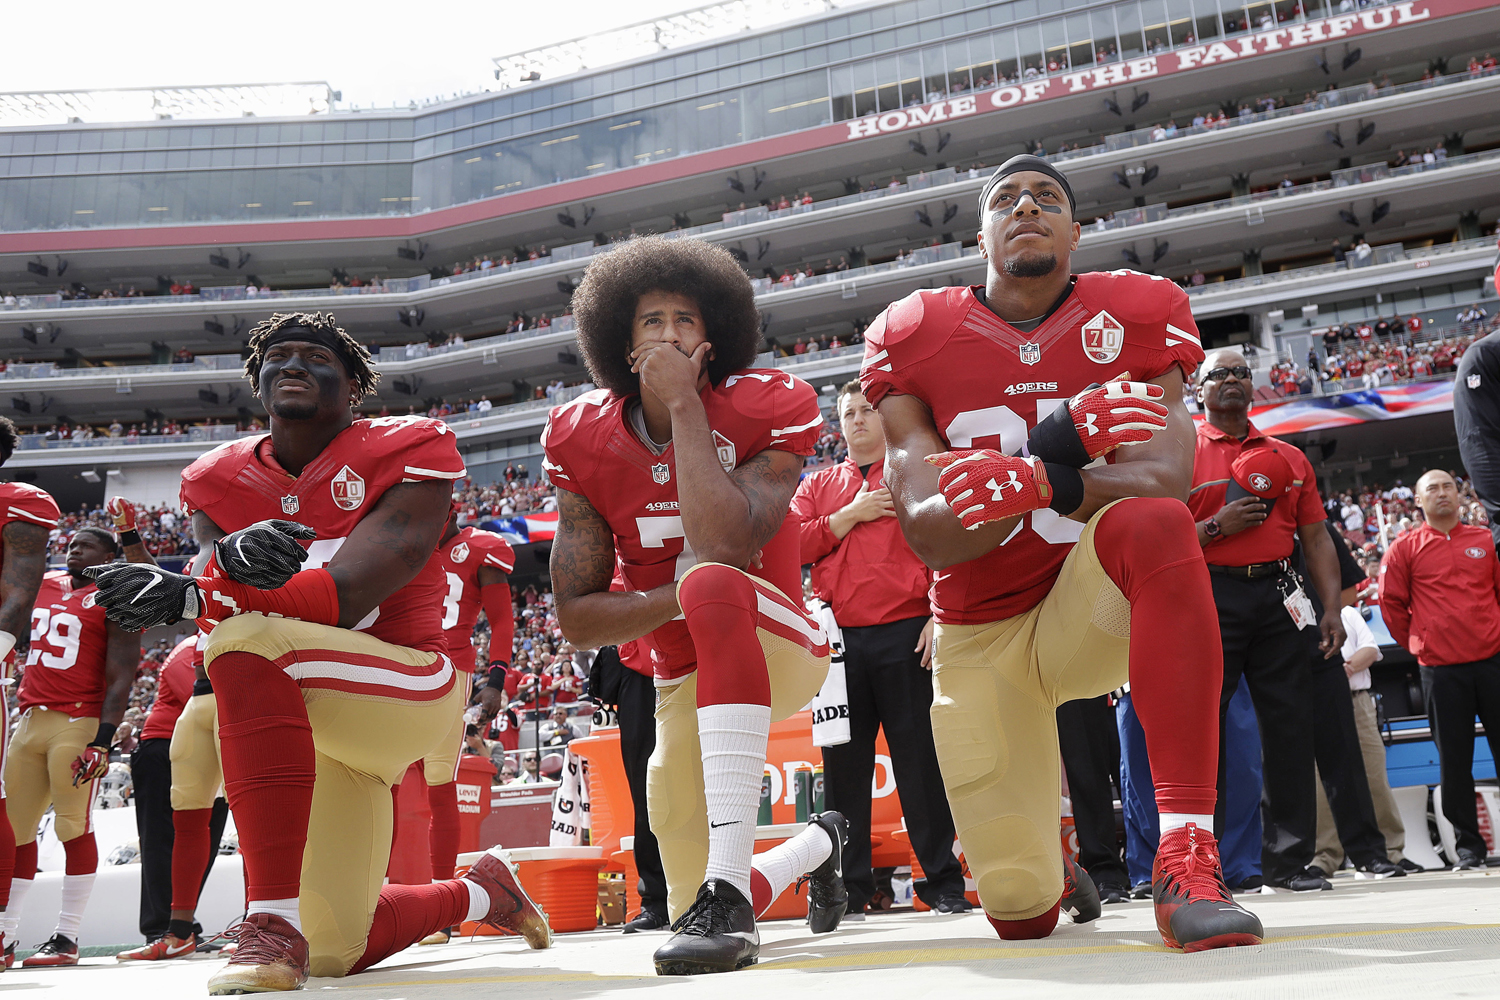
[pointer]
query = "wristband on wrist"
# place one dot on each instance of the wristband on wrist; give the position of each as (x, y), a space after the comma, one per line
(105, 736)
(1055, 440)
(1067, 488)
(496, 677)
(130, 537)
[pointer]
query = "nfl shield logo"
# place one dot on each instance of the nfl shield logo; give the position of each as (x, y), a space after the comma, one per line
(1473, 381)
(661, 472)
(348, 489)
(289, 505)
(1031, 353)
(1103, 336)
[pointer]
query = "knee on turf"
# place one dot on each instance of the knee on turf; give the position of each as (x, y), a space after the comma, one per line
(1022, 883)
(714, 583)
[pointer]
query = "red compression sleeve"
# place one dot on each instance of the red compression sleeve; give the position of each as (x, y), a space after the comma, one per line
(81, 855)
(190, 855)
(26, 861)
(309, 596)
(500, 609)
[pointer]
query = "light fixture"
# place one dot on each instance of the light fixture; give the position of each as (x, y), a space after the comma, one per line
(923, 218)
(1150, 174)
(1112, 107)
(219, 260)
(1365, 131)
(1379, 212)
(1121, 179)
(1140, 100)
(917, 147)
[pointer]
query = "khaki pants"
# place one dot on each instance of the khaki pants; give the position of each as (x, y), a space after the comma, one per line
(1330, 853)
(364, 741)
(196, 774)
(674, 776)
(441, 766)
(39, 773)
(996, 689)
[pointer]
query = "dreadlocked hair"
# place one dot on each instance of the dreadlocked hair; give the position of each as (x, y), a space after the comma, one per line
(355, 355)
(10, 439)
(604, 305)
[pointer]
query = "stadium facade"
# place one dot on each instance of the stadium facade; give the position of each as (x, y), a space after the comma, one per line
(875, 122)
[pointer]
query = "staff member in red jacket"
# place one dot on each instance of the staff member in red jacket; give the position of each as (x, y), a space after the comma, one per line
(1440, 596)
(877, 587)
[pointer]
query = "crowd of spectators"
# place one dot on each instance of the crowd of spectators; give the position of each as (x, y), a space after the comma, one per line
(164, 531)
(1379, 352)
(1373, 517)
(516, 494)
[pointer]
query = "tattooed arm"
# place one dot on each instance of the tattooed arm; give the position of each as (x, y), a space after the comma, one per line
(389, 547)
(21, 575)
(583, 563)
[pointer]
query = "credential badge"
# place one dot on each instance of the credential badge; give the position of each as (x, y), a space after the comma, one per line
(660, 473)
(1031, 353)
(289, 505)
(348, 489)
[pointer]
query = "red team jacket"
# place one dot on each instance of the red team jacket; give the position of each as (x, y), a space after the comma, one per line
(174, 686)
(240, 483)
(987, 384)
(870, 576)
(65, 667)
(1440, 594)
(461, 559)
(592, 451)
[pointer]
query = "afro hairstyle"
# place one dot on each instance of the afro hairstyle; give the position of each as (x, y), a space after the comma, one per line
(10, 439)
(604, 305)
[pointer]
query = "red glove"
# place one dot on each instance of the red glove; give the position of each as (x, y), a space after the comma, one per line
(90, 764)
(123, 512)
(1117, 413)
(983, 485)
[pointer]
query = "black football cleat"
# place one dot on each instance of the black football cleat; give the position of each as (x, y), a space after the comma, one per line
(716, 934)
(1195, 910)
(1080, 899)
(647, 920)
(827, 899)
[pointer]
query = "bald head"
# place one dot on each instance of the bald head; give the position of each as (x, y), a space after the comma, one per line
(1437, 495)
(1223, 357)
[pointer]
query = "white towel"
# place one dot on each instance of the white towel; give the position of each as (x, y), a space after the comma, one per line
(570, 804)
(830, 706)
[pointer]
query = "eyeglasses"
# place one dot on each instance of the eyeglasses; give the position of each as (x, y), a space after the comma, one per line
(1240, 372)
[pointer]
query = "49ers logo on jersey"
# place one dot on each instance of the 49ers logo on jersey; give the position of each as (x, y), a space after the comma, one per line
(1103, 336)
(460, 552)
(348, 489)
(727, 454)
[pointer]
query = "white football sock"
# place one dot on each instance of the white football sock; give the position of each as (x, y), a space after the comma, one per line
(479, 900)
(783, 864)
(286, 909)
(733, 740)
(75, 899)
(10, 921)
(1176, 821)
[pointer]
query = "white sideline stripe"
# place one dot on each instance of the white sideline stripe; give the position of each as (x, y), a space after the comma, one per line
(1184, 334)
(361, 674)
(771, 609)
(435, 474)
(784, 431)
(27, 514)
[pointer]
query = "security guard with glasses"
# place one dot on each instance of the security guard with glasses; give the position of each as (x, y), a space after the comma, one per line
(1253, 495)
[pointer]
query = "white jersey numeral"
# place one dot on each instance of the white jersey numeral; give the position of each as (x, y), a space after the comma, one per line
(61, 630)
(656, 531)
(451, 599)
(1003, 422)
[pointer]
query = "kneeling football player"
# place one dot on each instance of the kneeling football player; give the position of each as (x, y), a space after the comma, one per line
(680, 472)
(1057, 581)
(328, 662)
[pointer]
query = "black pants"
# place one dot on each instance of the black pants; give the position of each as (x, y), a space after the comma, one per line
(1263, 645)
(1090, 744)
(889, 687)
(1455, 694)
(1341, 765)
(151, 775)
(637, 740)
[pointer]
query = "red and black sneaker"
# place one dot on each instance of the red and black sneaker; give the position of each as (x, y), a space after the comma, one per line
(57, 950)
(272, 957)
(1080, 898)
(1195, 910)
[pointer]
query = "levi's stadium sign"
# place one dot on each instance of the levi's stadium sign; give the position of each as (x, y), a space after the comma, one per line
(1131, 71)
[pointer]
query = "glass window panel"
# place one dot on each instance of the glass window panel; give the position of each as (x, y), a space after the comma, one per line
(1206, 16)
(1103, 24)
(1154, 16)
(1080, 40)
(1029, 51)
(911, 78)
(841, 87)
(1055, 44)
(934, 72)
(866, 101)
(1007, 68)
(1180, 13)
(888, 76)
(1128, 30)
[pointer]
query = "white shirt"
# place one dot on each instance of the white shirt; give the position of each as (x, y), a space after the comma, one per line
(1354, 518)
(1358, 636)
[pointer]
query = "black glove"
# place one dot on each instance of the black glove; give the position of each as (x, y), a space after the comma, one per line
(265, 555)
(139, 596)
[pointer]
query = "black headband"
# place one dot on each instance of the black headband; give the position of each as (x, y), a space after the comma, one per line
(312, 335)
(1023, 162)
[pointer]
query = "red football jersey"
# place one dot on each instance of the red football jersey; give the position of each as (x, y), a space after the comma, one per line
(591, 450)
(987, 384)
(461, 560)
(20, 502)
(174, 686)
(65, 665)
(240, 483)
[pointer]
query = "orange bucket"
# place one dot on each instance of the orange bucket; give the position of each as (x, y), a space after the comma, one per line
(564, 881)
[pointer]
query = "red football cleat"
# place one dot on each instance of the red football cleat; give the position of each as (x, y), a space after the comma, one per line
(1195, 910)
(271, 957)
(510, 908)
(56, 950)
(165, 947)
